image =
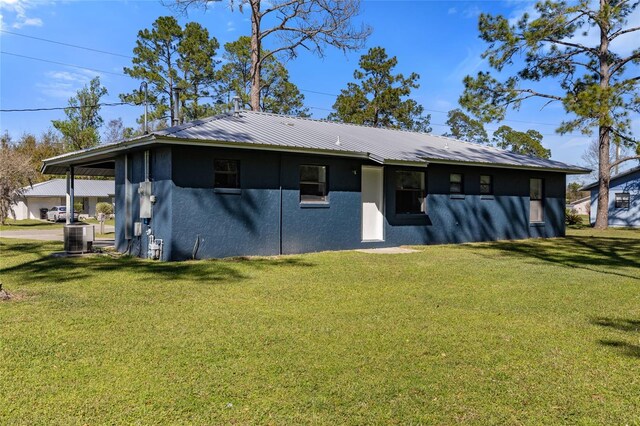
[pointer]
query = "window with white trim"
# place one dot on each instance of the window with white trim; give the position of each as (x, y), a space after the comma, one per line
(536, 200)
(623, 200)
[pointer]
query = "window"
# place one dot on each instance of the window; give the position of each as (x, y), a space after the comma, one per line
(313, 184)
(486, 185)
(536, 200)
(226, 174)
(456, 183)
(623, 200)
(410, 193)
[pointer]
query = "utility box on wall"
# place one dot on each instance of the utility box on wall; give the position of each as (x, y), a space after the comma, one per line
(145, 200)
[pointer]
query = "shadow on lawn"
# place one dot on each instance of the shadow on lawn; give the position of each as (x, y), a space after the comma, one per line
(50, 269)
(600, 254)
(624, 325)
(625, 348)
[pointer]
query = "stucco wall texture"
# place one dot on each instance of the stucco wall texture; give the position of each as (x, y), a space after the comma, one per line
(265, 217)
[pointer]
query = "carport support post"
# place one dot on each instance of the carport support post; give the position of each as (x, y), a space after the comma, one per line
(70, 198)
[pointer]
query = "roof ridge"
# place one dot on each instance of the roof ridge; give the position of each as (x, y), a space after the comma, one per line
(192, 123)
(324, 120)
(366, 126)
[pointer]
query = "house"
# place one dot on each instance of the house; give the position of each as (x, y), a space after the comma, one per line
(45, 195)
(580, 206)
(624, 199)
(252, 183)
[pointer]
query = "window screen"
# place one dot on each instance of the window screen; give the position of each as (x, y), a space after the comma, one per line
(313, 184)
(622, 200)
(456, 183)
(486, 185)
(410, 193)
(536, 201)
(226, 174)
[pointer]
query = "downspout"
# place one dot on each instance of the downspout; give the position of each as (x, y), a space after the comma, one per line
(70, 195)
(280, 187)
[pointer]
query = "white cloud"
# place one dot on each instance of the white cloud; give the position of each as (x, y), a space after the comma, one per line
(18, 11)
(472, 12)
(27, 22)
(64, 84)
(469, 65)
(231, 26)
(452, 11)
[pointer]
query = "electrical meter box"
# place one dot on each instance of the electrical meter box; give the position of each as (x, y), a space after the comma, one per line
(145, 200)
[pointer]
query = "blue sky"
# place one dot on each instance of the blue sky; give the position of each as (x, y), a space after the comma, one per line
(437, 39)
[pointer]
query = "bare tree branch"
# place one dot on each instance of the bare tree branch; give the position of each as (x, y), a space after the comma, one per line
(620, 32)
(623, 160)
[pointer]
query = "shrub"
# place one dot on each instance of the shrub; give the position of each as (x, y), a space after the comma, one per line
(572, 218)
(106, 208)
(78, 206)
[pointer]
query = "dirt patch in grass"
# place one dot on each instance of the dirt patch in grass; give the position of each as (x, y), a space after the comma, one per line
(5, 296)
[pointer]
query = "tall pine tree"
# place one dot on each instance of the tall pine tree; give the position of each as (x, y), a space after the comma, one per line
(277, 94)
(379, 97)
(167, 57)
(592, 79)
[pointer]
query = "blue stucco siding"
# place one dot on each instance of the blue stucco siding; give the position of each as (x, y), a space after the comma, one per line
(160, 223)
(316, 227)
(624, 217)
(265, 217)
(473, 217)
(224, 224)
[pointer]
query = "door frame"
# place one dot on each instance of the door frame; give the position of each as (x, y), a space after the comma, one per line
(382, 200)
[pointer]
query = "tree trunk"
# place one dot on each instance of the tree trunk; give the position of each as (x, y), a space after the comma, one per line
(604, 175)
(255, 55)
(604, 129)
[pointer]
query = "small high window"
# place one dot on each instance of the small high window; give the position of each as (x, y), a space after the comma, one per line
(486, 185)
(456, 183)
(536, 200)
(410, 193)
(623, 200)
(313, 184)
(226, 174)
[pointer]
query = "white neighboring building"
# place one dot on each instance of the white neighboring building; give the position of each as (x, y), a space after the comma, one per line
(581, 206)
(45, 195)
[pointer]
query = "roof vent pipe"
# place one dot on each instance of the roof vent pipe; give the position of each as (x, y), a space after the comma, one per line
(146, 107)
(176, 106)
(236, 106)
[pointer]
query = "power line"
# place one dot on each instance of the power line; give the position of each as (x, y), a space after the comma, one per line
(131, 57)
(109, 104)
(435, 110)
(64, 64)
(68, 44)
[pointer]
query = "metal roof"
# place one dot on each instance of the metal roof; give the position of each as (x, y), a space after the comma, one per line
(613, 178)
(258, 130)
(82, 188)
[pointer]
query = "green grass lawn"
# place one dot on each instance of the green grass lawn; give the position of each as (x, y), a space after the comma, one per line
(26, 224)
(91, 220)
(529, 332)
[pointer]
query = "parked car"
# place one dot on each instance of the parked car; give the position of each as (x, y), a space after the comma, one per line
(59, 213)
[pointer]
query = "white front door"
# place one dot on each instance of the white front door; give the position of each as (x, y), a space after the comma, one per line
(372, 204)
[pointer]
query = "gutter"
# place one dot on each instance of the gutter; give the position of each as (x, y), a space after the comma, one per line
(575, 171)
(74, 157)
